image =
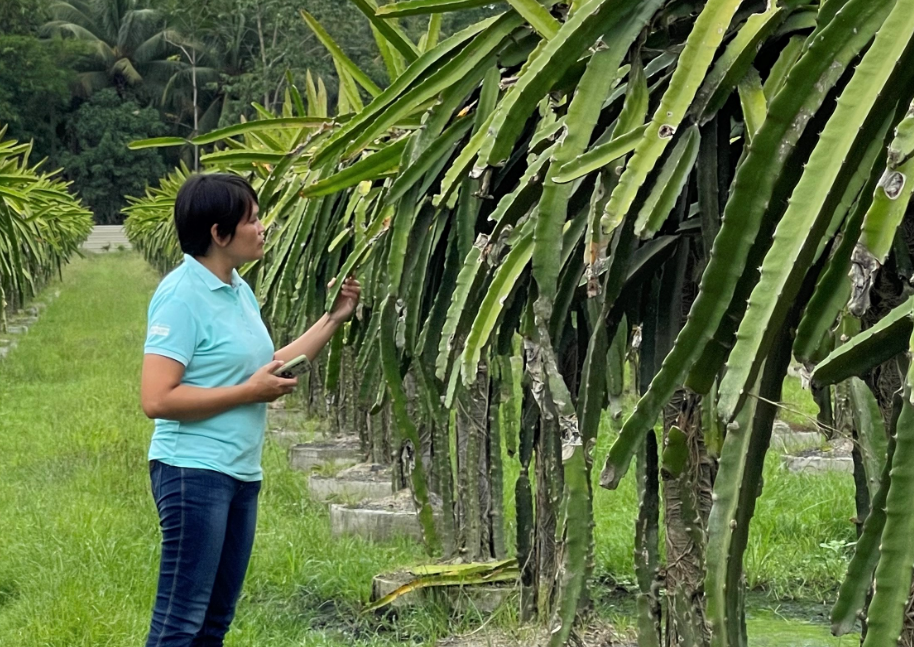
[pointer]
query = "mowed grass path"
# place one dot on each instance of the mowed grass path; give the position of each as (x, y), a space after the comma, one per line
(79, 538)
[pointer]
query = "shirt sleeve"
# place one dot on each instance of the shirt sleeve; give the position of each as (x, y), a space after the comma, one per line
(172, 331)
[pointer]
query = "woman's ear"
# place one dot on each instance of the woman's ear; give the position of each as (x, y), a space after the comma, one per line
(220, 241)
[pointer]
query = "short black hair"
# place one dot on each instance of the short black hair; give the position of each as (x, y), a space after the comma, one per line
(210, 199)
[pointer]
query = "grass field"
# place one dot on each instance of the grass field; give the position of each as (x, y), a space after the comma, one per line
(79, 534)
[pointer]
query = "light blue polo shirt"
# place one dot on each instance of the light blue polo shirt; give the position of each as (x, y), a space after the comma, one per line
(216, 332)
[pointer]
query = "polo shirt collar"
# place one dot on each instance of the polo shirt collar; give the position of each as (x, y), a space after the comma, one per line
(209, 279)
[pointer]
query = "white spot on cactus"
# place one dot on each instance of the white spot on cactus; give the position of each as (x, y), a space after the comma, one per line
(892, 183)
(666, 131)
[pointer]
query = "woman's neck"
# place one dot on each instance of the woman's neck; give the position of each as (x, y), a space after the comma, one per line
(218, 264)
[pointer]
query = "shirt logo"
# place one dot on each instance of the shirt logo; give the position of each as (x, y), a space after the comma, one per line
(159, 331)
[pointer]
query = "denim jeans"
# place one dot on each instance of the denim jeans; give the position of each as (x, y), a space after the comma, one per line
(208, 520)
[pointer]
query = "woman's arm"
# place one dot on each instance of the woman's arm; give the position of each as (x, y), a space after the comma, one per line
(317, 336)
(163, 396)
(311, 343)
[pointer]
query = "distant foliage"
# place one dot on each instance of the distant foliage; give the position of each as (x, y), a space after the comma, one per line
(100, 163)
(35, 89)
(199, 65)
(19, 17)
(129, 45)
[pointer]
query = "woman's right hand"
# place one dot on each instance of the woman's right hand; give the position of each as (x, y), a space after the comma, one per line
(266, 387)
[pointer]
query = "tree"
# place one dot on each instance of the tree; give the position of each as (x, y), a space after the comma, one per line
(255, 43)
(98, 160)
(35, 78)
(22, 16)
(129, 47)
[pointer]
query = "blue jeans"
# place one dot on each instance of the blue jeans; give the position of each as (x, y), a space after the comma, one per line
(208, 520)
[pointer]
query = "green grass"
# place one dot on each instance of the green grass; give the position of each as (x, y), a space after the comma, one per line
(79, 536)
(799, 410)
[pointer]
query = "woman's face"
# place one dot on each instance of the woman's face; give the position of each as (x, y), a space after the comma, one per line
(247, 243)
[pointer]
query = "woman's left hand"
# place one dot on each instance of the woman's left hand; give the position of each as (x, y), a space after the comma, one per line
(346, 301)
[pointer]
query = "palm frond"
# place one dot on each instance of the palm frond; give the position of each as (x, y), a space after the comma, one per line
(137, 27)
(66, 29)
(163, 71)
(124, 67)
(109, 15)
(211, 117)
(73, 12)
(158, 46)
(89, 83)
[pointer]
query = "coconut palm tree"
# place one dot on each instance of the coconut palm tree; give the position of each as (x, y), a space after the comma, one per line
(129, 45)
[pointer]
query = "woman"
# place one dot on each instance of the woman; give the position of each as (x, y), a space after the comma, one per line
(207, 376)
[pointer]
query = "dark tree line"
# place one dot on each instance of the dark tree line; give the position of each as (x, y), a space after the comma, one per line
(82, 78)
